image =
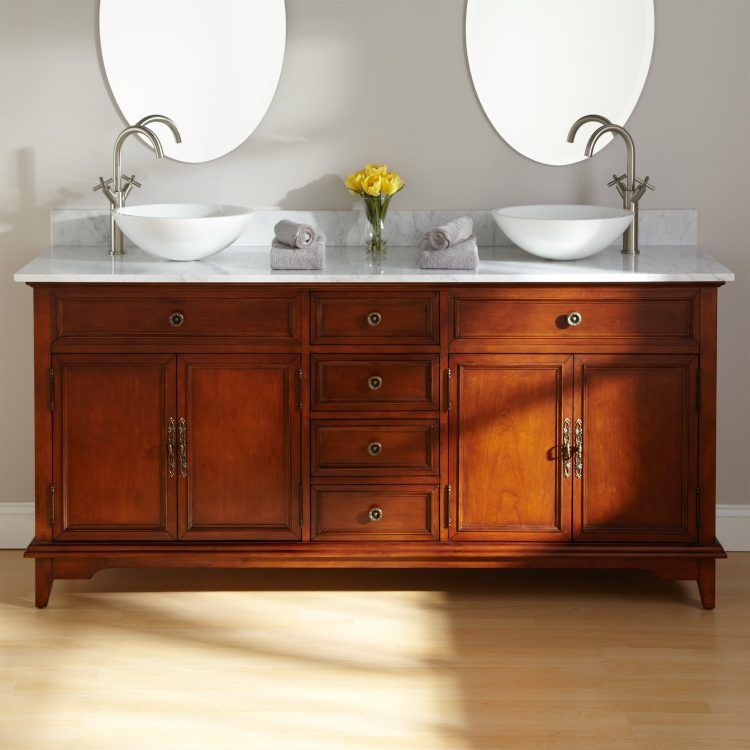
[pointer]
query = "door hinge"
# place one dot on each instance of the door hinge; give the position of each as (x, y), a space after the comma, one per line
(300, 375)
(52, 506)
(448, 376)
(697, 507)
(301, 517)
(51, 389)
(698, 392)
(448, 492)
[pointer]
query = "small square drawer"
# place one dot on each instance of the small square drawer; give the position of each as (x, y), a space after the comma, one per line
(374, 447)
(395, 318)
(359, 512)
(271, 317)
(377, 383)
(658, 316)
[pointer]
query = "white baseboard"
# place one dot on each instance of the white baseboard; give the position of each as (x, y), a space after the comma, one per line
(733, 527)
(17, 526)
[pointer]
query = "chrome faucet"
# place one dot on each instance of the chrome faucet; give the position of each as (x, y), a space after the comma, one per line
(118, 188)
(631, 189)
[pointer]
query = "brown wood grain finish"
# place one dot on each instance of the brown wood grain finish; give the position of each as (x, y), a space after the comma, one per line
(240, 475)
(110, 436)
(640, 419)
(374, 447)
(507, 471)
(351, 513)
(666, 317)
(373, 383)
(387, 318)
(274, 385)
(273, 319)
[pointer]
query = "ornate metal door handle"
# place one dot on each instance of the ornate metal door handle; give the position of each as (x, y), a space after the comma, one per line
(567, 456)
(579, 448)
(182, 429)
(171, 457)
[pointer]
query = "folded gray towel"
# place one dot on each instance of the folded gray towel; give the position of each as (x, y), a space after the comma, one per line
(452, 233)
(285, 258)
(295, 235)
(461, 257)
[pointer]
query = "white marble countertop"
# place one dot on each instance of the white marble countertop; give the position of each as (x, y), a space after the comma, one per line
(662, 264)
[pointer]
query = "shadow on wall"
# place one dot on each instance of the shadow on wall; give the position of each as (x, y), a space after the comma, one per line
(308, 195)
(24, 231)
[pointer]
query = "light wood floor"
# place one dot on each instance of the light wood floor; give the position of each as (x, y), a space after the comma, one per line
(359, 660)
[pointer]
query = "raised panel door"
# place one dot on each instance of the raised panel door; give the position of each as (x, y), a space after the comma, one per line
(114, 476)
(239, 447)
(507, 467)
(638, 472)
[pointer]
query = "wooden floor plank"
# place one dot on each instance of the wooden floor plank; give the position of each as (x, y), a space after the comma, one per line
(404, 660)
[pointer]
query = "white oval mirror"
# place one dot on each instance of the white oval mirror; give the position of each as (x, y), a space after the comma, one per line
(539, 65)
(210, 65)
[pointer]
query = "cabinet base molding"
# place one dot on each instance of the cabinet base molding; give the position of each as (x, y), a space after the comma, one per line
(82, 561)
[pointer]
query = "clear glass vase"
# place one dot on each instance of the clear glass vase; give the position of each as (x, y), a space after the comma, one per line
(374, 229)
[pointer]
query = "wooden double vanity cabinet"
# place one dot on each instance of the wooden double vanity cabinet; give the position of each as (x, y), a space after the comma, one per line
(375, 425)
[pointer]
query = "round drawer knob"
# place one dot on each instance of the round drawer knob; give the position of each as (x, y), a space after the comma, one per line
(375, 383)
(176, 319)
(374, 318)
(575, 319)
(375, 513)
(375, 449)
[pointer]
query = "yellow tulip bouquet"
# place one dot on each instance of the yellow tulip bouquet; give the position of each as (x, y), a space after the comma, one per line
(377, 186)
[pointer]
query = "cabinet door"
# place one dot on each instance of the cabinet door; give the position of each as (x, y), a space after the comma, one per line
(239, 447)
(506, 447)
(111, 447)
(639, 423)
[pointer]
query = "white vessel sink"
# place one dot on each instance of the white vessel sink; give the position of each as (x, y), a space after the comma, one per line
(563, 232)
(182, 231)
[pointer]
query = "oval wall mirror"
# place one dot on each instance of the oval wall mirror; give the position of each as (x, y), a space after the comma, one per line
(210, 65)
(539, 65)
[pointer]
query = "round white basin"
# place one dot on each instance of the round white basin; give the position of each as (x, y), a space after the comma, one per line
(563, 232)
(183, 231)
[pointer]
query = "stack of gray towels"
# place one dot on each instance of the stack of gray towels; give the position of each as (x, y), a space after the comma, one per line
(297, 247)
(453, 246)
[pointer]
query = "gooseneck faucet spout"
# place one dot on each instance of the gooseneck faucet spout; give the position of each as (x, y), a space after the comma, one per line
(146, 121)
(117, 189)
(581, 121)
(630, 238)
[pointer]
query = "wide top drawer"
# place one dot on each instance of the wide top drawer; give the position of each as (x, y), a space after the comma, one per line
(660, 317)
(270, 317)
(392, 318)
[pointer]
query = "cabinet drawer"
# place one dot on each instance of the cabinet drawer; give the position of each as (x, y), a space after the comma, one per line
(361, 383)
(657, 317)
(409, 318)
(374, 448)
(342, 513)
(270, 318)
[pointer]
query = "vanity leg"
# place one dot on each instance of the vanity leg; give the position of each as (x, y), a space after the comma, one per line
(43, 581)
(707, 583)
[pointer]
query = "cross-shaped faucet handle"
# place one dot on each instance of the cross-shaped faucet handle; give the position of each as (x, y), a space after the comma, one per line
(641, 186)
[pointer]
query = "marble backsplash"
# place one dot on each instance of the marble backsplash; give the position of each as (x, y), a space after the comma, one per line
(90, 227)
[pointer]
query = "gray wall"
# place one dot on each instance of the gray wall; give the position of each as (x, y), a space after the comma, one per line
(57, 125)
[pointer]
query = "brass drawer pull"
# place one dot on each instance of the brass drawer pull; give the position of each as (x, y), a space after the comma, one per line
(375, 449)
(579, 448)
(375, 383)
(176, 319)
(575, 319)
(171, 458)
(182, 429)
(375, 514)
(374, 318)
